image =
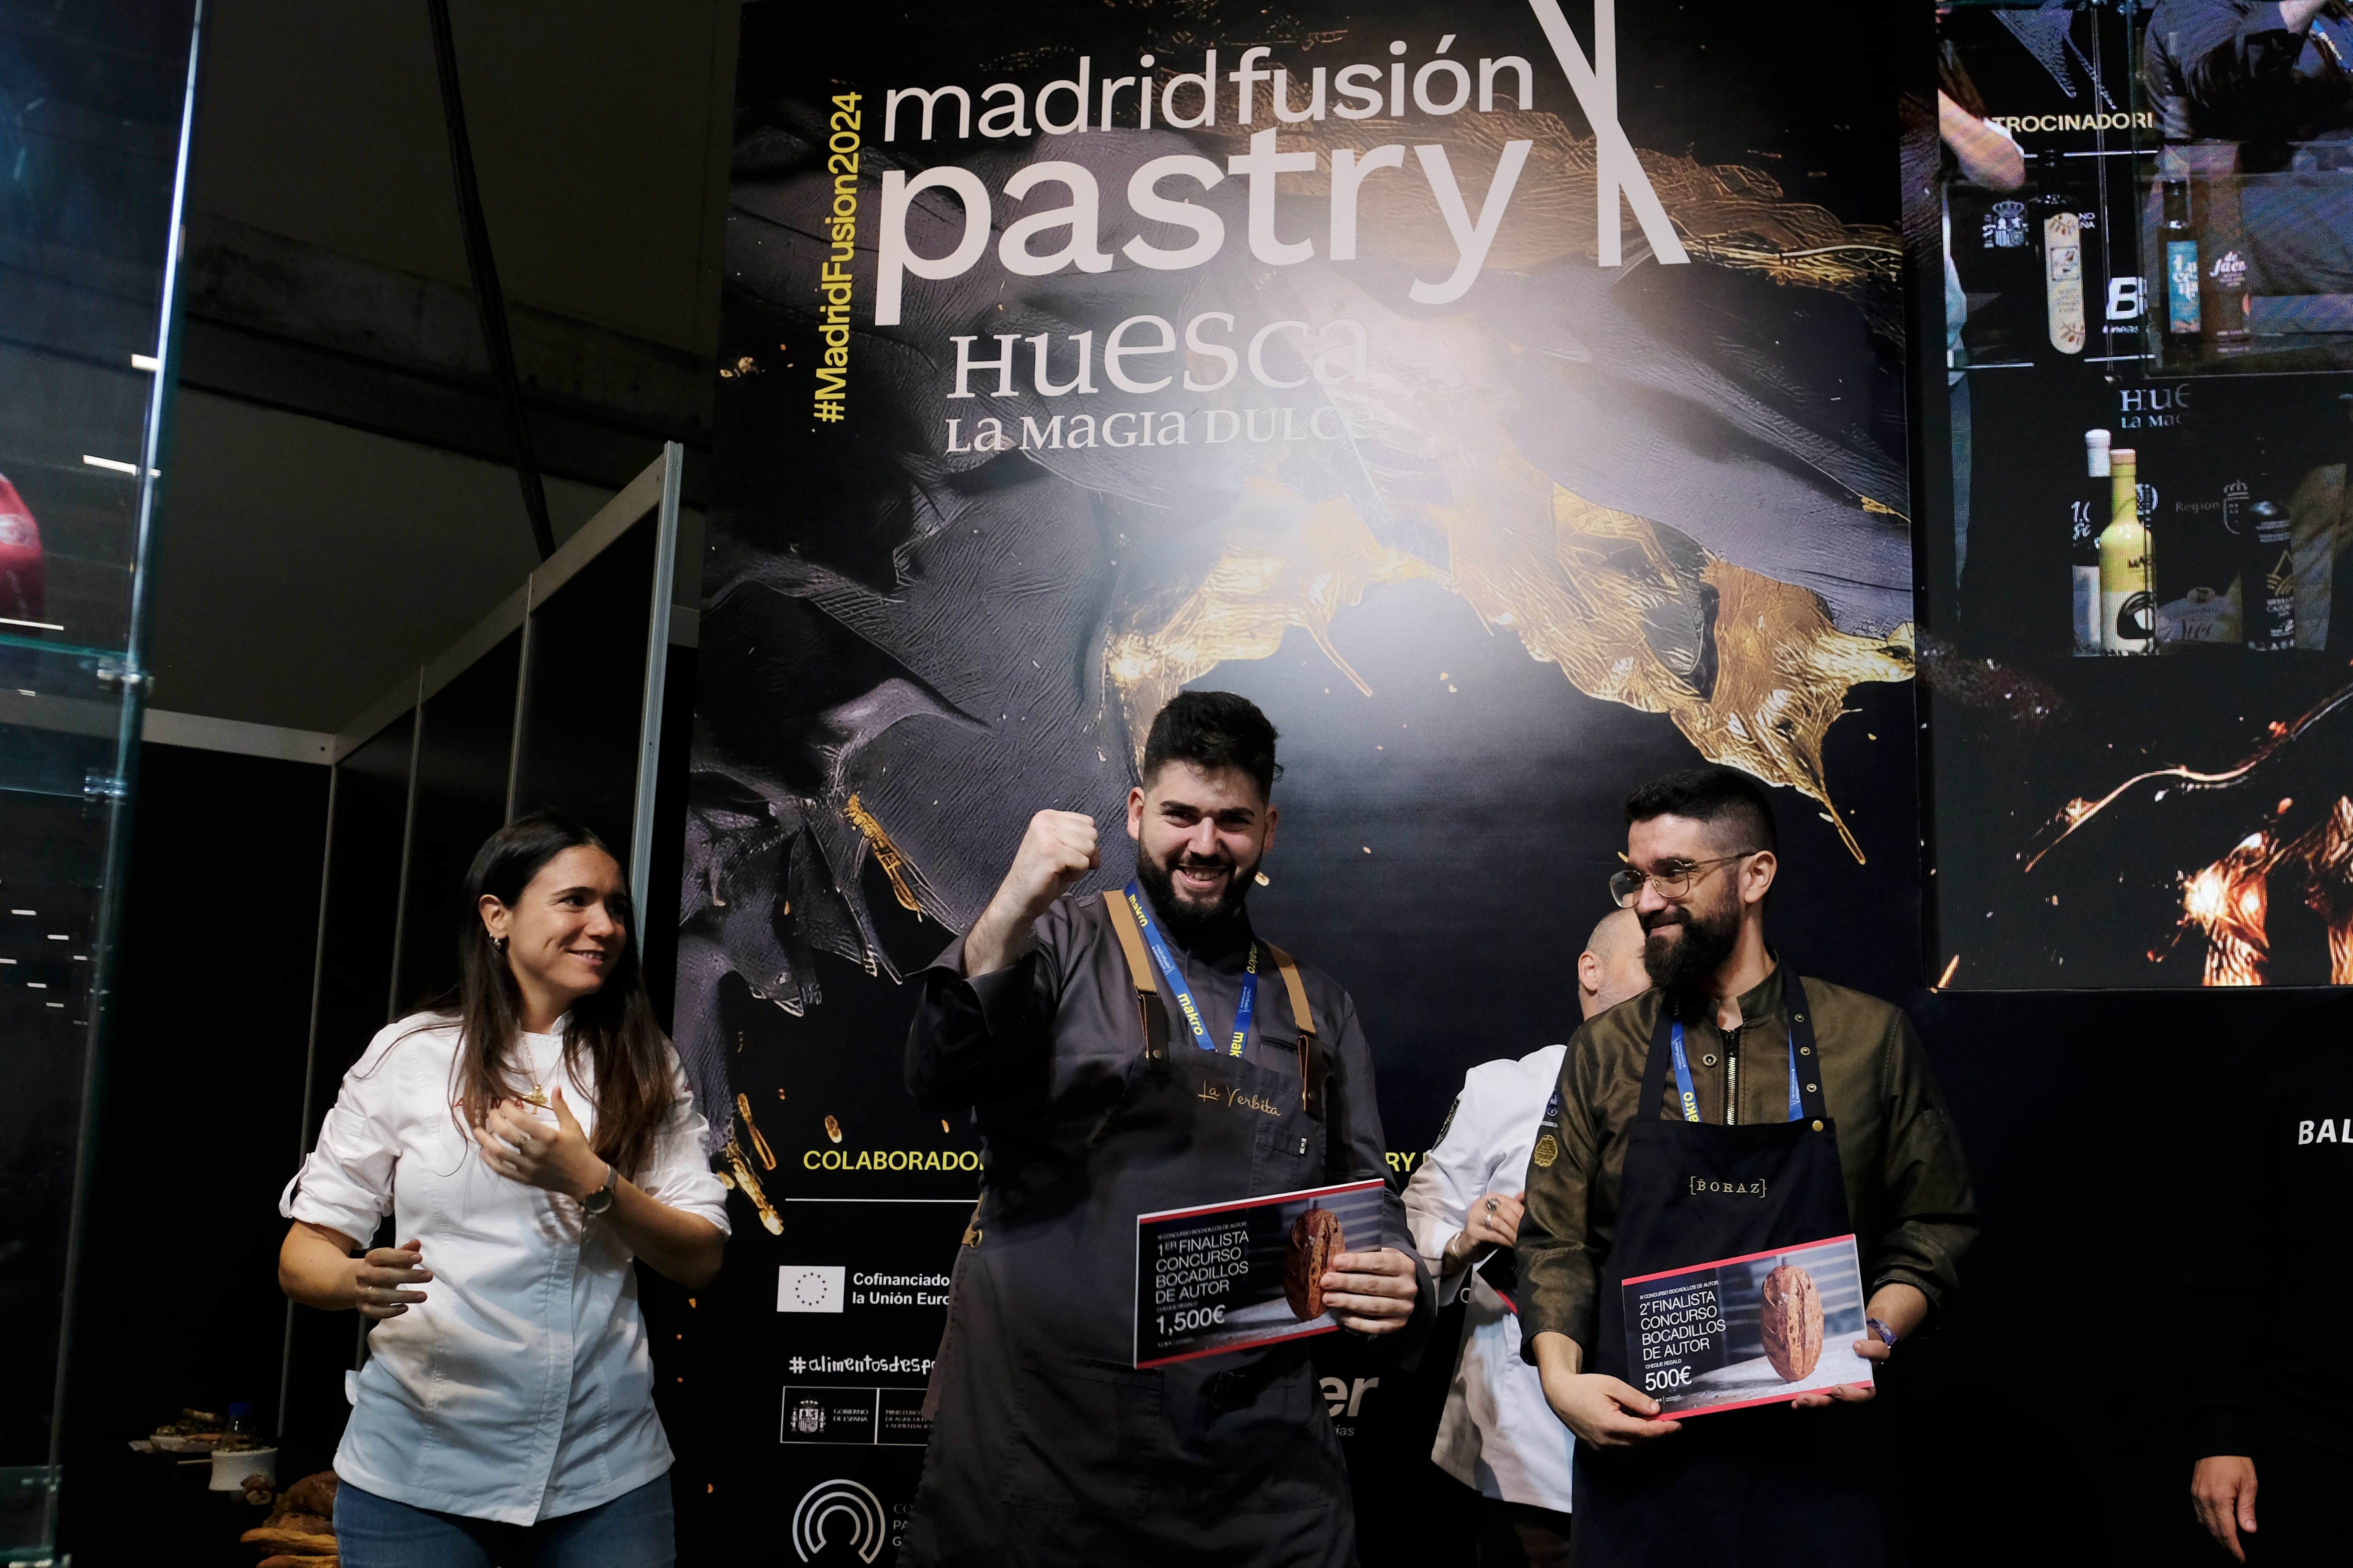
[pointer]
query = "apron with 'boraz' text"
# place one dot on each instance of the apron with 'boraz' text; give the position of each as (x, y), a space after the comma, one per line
(1770, 1487)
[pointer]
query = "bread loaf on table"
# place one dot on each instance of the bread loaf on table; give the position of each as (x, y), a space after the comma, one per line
(303, 1543)
(303, 1523)
(288, 1561)
(1790, 1320)
(314, 1494)
(1315, 1240)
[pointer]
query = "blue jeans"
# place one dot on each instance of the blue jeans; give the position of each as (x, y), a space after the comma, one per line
(633, 1530)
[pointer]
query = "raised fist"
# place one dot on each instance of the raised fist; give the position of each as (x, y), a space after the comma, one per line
(1058, 849)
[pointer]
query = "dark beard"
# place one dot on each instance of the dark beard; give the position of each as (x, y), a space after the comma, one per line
(1684, 969)
(1192, 926)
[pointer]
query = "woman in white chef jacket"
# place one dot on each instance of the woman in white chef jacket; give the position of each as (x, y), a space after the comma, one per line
(531, 1138)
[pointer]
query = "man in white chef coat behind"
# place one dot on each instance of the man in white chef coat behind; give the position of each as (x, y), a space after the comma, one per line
(1498, 1434)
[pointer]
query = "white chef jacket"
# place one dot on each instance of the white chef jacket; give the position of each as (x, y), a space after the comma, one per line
(1498, 1434)
(522, 1387)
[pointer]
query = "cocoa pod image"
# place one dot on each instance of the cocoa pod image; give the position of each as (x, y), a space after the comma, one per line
(1790, 1322)
(1315, 1240)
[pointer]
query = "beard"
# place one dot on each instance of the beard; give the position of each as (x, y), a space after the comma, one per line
(1190, 922)
(1682, 966)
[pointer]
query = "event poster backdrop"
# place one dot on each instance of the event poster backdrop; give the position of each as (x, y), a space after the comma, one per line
(1508, 398)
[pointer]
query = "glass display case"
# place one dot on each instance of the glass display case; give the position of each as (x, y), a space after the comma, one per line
(95, 105)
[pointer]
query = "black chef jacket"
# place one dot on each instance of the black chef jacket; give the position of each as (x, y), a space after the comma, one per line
(2265, 1367)
(1048, 1445)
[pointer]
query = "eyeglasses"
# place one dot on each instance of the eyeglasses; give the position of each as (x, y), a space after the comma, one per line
(1672, 880)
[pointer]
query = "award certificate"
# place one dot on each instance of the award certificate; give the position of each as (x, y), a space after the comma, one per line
(1232, 1277)
(1755, 1329)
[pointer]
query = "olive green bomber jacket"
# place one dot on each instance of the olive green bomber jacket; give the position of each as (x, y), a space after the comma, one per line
(1907, 1185)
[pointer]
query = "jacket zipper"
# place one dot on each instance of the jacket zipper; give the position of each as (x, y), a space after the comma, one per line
(1732, 1074)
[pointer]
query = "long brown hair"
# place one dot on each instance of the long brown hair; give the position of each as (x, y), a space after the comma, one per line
(612, 1027)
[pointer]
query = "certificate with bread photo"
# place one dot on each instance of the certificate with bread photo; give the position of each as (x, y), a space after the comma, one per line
(1232, 1277)
(1754, 1329)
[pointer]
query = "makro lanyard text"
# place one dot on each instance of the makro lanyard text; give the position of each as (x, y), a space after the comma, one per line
(1167, 962)
(1691, 1097)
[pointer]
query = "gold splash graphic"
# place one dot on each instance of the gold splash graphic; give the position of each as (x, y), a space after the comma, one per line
(1283, 563)
(1725, 213)
(886, 855)
(1750, 670)
(2228, 901)
(759, 1144)
(2079, 811)
(2328, 852)
(749, 1186)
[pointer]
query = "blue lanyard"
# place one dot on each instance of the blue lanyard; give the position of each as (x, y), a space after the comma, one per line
(1166, 962)
(1689, 1098)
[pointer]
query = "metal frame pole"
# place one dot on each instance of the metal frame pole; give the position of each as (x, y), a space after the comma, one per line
(523, 693)
(485, 271)
(649, 718)
(310, 1067)
(407, 845)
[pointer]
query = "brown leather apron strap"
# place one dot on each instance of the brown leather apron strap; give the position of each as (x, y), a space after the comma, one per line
(1150, 1015)
(1311, 1056)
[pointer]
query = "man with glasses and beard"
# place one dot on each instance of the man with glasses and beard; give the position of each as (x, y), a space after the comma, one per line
(1732, 1109)
(1127, 1052)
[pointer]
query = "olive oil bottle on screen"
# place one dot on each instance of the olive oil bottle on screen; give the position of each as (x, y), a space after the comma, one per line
(2127, 573)
(2088, 515)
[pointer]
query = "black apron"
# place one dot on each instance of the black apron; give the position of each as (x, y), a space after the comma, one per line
(1049, 1447)
(1761, 1487)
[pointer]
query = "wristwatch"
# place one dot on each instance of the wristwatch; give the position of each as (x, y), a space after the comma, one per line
(598, 1202)
(1886, 1334)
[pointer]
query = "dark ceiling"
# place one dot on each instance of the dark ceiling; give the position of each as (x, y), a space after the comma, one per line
(340, 505)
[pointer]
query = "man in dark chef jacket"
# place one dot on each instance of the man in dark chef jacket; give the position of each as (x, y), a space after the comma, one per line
(1100, 1101)
(1796, 1111)
(2270, 1390)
